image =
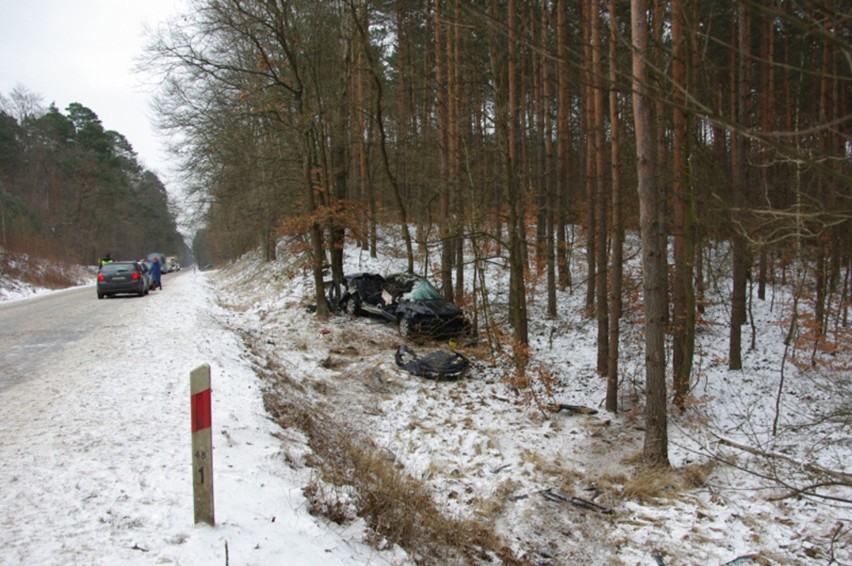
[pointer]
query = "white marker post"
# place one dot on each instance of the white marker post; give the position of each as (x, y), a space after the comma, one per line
(202, 445)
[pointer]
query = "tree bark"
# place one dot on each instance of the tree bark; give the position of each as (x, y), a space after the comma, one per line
(738, 186)
(616, 268)
(587, 112)
(563, 135)
(683, 311)
(550, 172)
(517, 291)
(442, 101)
(655, 448)
(601, 298)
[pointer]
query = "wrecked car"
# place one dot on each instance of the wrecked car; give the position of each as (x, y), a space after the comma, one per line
(410, 300)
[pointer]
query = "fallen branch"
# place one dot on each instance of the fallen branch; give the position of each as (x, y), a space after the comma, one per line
(575, 409)
(841, 477)
(575, 501)
(793, 490)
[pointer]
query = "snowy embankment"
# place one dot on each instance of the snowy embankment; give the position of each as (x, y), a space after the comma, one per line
(487, 451)
(42, 276)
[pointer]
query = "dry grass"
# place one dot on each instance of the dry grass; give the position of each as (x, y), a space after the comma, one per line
(356, 477)
(233, 306)
(37, 272)
(493, 506)
(651, 484)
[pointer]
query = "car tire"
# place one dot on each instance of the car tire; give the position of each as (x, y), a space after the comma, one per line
(100, 295)
(405, 328)
(353, 305)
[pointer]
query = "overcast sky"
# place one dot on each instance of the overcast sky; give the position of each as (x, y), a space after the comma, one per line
(84, 51)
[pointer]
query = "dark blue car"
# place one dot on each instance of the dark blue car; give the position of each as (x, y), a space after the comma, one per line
(122, 277)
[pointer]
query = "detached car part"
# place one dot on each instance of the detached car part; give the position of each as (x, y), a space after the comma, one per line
(435, 365)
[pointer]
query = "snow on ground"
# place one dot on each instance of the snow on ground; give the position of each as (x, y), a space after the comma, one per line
(485, 450)
(79, 489)
(13, 265)
(96, 451)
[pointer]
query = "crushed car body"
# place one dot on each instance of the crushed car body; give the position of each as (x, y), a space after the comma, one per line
(364, 294)
(410, 300)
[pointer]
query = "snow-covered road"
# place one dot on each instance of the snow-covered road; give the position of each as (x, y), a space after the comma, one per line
(95, 442)
(39, 330)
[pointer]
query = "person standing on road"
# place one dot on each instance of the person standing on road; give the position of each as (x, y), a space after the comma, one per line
(107, 259)
(156, 271)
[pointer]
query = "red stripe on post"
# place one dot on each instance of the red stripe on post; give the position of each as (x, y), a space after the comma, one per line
(201, 414)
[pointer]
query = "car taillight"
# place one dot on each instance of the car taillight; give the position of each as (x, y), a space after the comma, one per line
(101, 277)
(135, 275)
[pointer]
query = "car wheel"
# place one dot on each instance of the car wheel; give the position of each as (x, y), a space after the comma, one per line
(405, 329)
(100, 295)
(353, 305)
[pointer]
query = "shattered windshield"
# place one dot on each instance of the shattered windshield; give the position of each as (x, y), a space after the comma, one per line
(422, 290)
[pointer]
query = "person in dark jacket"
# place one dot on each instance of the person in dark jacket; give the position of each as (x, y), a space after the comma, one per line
(156, 271)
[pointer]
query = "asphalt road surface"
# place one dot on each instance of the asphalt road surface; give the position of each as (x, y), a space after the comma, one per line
(38, 332)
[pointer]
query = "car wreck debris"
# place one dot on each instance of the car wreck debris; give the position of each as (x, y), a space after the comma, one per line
(438, 365)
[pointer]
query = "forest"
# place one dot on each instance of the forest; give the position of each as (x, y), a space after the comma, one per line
(72, 191)
(515, 129)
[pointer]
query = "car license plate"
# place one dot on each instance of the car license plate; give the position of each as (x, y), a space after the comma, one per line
(119, 278)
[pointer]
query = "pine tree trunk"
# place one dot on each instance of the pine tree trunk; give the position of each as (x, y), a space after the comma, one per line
(655, 448)
(442, 101)
(738, 185)
(601, 299)
(587, 107)
(683, 312)
(616, 268)
(767, 168)
(549, 184)
(517, 291)
(563, 135)
(455, 90)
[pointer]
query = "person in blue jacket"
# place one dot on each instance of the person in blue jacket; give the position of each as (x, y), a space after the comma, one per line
(156, 271)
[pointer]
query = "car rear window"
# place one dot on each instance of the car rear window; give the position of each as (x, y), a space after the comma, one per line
(111, 268)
